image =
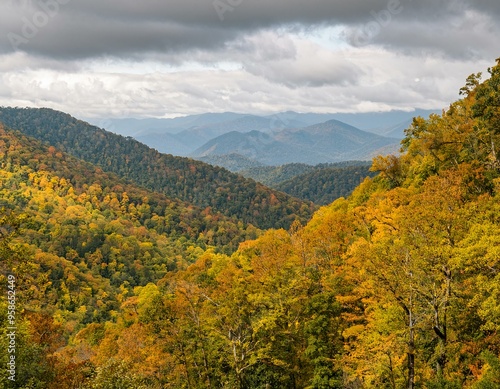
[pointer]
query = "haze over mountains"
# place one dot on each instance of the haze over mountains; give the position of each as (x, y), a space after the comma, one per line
(287, 137)
(332, 141)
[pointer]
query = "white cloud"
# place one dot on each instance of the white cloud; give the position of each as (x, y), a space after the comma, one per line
(124, 58)
(382, 81)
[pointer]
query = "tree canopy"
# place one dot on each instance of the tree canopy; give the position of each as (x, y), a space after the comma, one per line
(395, 286)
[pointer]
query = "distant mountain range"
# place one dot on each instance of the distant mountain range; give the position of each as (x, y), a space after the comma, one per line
(188, 139)
(332, 141)
(209, 135)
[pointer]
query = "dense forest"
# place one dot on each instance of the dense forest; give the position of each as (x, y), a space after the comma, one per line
(274, 175)
(232, 162)
(321, 184)
(192, 181)
(89, 238)
(396, 286)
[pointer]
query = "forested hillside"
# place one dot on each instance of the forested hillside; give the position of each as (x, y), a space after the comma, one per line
(88, 239)
(320, 184)
(323, 186)
(182, 178)
(232, 162)
(275, 175)
(396, 286)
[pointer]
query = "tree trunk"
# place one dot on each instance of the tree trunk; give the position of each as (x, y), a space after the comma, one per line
(411, 358)
(391, 370)
(411, 339)
(441, 328)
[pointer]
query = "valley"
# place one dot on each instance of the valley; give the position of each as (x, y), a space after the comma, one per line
(321, 256)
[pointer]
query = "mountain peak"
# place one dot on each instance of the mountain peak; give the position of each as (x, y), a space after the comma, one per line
(331, 141)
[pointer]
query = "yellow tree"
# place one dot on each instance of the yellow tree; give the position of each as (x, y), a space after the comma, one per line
(406, 261)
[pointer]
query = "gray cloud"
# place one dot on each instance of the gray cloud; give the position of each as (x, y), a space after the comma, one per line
(298, 63)
(468, 34)
(95, 28)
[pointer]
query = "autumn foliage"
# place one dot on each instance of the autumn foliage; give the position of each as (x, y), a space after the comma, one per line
(396, 286)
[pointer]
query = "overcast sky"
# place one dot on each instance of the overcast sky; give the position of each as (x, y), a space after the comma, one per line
(131, 58)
